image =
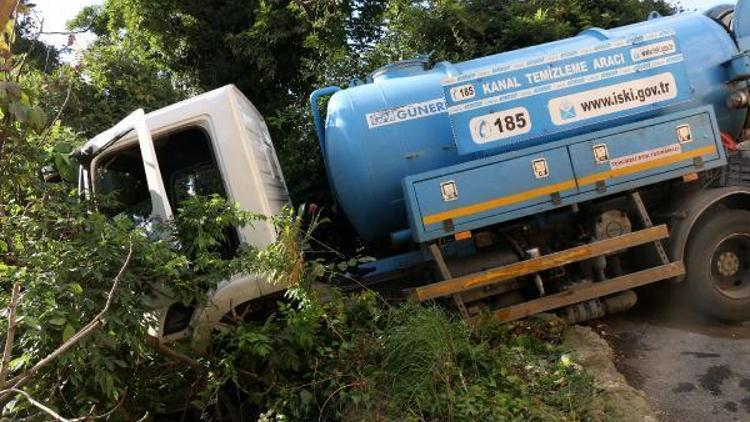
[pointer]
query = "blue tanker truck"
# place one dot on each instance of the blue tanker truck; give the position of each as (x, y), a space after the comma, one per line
(558, 177)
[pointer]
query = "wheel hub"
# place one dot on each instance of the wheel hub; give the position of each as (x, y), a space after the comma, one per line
(728, 264)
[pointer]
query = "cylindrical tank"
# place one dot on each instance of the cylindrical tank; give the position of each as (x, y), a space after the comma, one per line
(397, 125)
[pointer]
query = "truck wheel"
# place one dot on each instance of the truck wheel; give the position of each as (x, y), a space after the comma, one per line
(718, 266)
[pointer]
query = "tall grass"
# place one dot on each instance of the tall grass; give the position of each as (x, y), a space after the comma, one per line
(355, 357)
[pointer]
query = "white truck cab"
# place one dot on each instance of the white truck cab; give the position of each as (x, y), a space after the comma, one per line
(215, 143)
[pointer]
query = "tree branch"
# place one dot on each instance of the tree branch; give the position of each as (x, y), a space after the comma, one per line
(110, 411)
(171, 353)
(73, 32)
(37, 404)
(84, 332)
(10, 337)
(51, 123)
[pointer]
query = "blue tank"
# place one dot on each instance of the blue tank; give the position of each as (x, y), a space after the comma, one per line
(410, 119)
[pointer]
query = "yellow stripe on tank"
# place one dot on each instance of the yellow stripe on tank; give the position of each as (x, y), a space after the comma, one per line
(562, 186)
(661, 162)
(498, 202)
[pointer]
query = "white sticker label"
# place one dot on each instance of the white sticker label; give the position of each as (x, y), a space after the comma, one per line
(449, 190)
(684, 134)
(601, 154)
(612, 99)
(651, 51)
(540, 168)
(645, 156)
(463, 92)
(406, 113)
(503, 124)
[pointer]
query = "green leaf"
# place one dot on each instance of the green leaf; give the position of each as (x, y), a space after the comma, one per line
(68, 332)
(20, 362)
(59, 321)
(6, 269)
(305, 397)
(18, 111)
(37, 119)
(14, 90)
(76, 288)
(32, 322)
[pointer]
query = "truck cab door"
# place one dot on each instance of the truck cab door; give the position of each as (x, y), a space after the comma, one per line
(160, 206)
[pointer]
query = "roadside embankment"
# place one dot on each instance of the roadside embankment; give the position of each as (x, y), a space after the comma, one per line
(615, 398)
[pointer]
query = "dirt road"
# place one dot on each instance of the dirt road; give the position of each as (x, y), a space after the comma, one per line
(691, 369)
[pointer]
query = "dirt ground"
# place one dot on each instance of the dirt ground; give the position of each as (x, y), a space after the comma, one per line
(690, 368)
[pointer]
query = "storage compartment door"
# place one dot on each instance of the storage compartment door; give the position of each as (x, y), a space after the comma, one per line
(663, 150)
(467, 197)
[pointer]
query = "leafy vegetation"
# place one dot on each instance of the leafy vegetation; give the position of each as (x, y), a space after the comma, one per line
(355, 358)
(79, 287)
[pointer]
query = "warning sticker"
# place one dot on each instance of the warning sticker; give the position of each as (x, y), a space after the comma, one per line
(644, 156)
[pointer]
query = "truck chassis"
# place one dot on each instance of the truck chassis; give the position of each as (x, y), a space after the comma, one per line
(482, 284)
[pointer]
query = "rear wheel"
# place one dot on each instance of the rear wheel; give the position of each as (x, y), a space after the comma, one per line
(718, 266)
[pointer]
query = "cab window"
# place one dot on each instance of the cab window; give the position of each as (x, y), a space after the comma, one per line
(188, 168)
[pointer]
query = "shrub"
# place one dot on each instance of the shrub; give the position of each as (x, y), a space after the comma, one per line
(357, 358)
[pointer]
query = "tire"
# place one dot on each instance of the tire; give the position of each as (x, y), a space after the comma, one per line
(717, 261)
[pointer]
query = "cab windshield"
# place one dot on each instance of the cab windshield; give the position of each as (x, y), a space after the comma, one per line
(120, 182)
(187, 166)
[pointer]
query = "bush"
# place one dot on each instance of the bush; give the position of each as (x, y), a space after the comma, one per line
(357, 358)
